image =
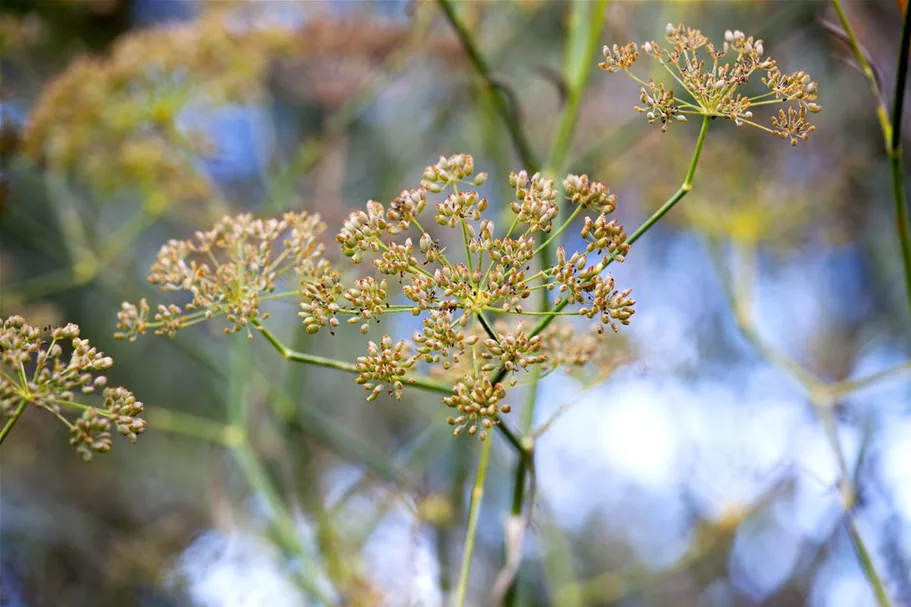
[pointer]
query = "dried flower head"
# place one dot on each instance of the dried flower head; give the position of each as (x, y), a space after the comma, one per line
(48, 375)
(713, 77)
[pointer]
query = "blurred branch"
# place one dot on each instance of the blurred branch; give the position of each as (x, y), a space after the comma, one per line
(87, 262)
(310, 151)
(823, 398)
(187, 424)
(508, 114)
(282, 520)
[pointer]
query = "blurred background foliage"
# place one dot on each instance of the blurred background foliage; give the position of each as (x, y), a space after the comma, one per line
(699, 473)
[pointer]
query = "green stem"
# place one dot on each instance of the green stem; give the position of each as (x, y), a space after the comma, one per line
(8, 426)
(331, 363)
(477, 495)
(902, 225)
(509, 116)
(488, 328)
(861, 57)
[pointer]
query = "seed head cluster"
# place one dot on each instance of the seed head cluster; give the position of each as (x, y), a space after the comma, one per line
(50, 374)
(121, 121)
(231, 269)
(713, 78)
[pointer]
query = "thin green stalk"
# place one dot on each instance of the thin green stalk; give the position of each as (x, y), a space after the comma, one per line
(866, 563)
(8, 426)
(680, 193)
(477, 495)
(558, 232)
(419, 382)
(509, 116)
(881, 113)
(902, 225)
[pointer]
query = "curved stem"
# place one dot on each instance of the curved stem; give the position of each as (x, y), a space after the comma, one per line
(477, 495)
(509, 115)
(685, 187)
(861, 58)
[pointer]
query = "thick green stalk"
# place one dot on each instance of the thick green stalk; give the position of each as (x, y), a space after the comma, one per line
(8, 426)
(509, 115)
(902, 225)
(518, 498)
(520, 471)
(477, 495)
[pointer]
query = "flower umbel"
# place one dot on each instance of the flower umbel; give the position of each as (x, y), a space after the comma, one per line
(713, 78)
(232, 268)
(229, 270)
(34, 371)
